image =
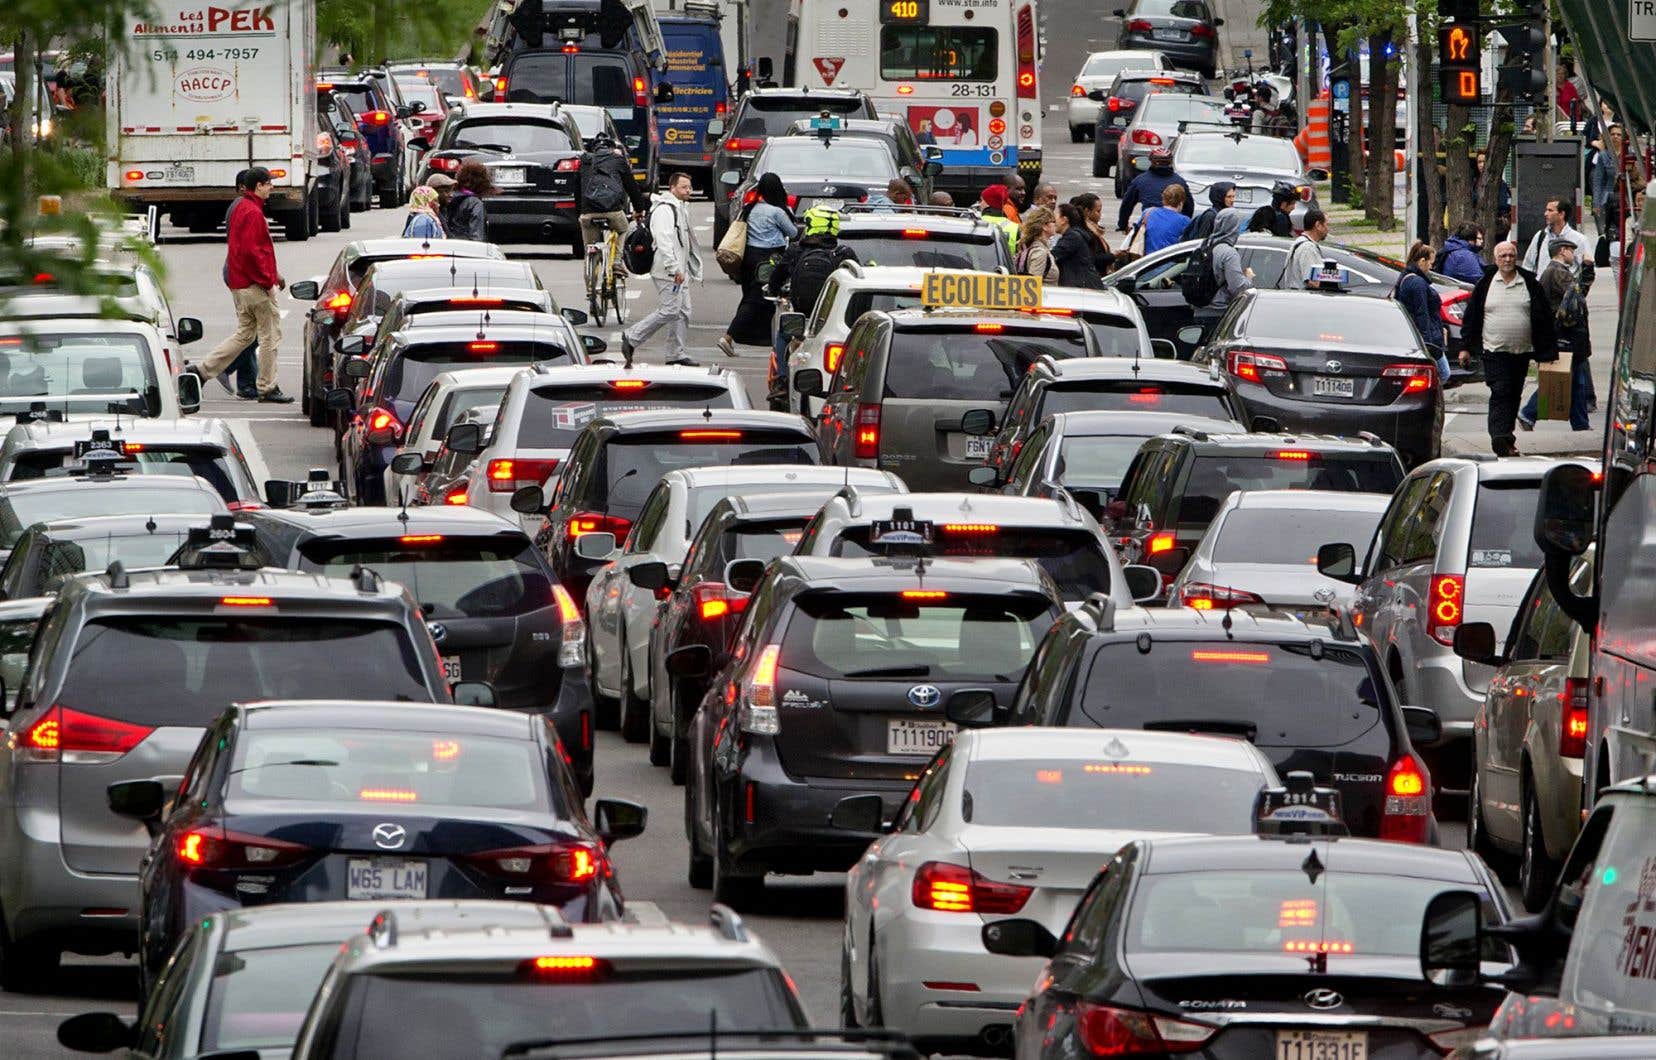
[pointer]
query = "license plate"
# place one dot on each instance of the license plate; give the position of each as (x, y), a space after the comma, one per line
(1327, 386)
(503, 175)
(176, 172)
(1244, 196)
(451, 668)
(1167, 34)
(826, 204)
(371, 879)
(1321, 1045)
(909, 736)
(977, 447)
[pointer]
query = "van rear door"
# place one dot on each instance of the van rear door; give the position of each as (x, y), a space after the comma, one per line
(696, 69)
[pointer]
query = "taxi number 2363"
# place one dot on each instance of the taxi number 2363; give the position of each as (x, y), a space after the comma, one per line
(958, 89)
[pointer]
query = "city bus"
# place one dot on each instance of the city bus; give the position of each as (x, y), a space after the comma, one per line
(963, 73)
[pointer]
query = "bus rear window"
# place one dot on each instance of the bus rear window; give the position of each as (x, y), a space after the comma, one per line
(941, 53)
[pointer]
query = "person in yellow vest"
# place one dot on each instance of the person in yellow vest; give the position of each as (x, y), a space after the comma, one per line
(994, 211)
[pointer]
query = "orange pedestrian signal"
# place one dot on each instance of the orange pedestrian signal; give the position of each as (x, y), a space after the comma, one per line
(1460, 62)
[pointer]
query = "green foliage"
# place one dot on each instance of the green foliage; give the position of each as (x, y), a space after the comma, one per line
(440, 29)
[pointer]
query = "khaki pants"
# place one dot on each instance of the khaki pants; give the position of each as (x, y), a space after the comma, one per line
(593, 224)
(256, 316)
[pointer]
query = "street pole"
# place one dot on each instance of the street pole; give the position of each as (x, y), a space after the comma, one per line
(1302, 70)
(1411, 131)
(1548, 109)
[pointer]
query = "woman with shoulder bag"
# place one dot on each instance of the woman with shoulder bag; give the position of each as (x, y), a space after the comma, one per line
(1034, 257)
(769, 227)
(1415, 293)
(1076, 265)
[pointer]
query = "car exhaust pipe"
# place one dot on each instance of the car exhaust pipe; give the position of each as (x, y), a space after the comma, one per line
(547, 230)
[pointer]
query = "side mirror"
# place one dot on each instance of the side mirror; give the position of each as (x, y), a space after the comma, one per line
(465, 439)
(1218, 22)
(419, 143)
(1265, 425)
(1564, 512)
(987, 477)
(474, 694)
(741, 575)
(1475, 642)
(1338, 560)
(791, 325)
(598, 546)
(765, 68)
(691, 660)
(858, 813)
(306, 290)
(1423, 725)
(278, 492)
(1019, 938)
(405, 112)
(650, 576)
(189, 330)
(577, 317)
(356, 367)
(1119, 12)
(189, 392)
(1127, 284)
(809, 382)
(715, 128)
(352, 344)
(1190, 335)
(1098, 95)
(408, 463)
(593, 345)
(618, 819)
(731, 177)
(417, 107)
(1451, 939)
(142, 800)
(978, 422)
(340, 399)
(96, 1032)
(1163, 350)
(529, 500)
(1143, 582)
(1168, 563)
(664, 93)
(974, 708)
(932, 170)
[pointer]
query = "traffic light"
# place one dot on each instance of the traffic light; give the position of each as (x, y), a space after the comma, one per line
(1524, 73)
(1462, 11)
(1460, 55)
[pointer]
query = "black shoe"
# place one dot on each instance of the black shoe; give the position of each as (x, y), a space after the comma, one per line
(248, 395)
(627, 349)
(683, 362)
(275, 397)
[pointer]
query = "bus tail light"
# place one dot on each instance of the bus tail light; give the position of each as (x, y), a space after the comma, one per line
(1026, 52)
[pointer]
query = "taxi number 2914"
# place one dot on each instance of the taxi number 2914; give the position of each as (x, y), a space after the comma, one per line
(1321, 1045)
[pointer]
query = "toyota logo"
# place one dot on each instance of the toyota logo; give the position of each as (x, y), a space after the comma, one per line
(924, 696)
(439, 632)
(1333, 368)
(1323, 998)
(392, 836)
(1324, 595)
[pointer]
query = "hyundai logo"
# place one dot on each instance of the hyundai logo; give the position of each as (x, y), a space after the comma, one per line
(924, 696)
(1323, 998)
(390, 836)
(1333, 368)
(439, 632)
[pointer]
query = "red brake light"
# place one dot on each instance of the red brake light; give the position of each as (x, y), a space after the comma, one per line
(215, 849)
(1120, 103)
(475, 299)
(1317, 946)
(711, 609)
(1407, 813)
(1201, 596)
(1161, 542)
(482, 347)
(324, 86)
(641, 98)
(339, 302)
(1230, 656)
(1201, 30)
(1454, 307)
(1026, 51)
(388, 795)
(64, 734)
(1294, 454)
(377, 117)
(744, 143)
(1448, 597)
(571, 49)
(595, 522)
(456, 497)
(421, 539)
(547, 863)
(1572, 736)
(832, 353)
(971, 528)
(568, 165)
(1078, 92)
(629, 384)
(245, 601)
(866, 439)
(710, 436)
(997, 126)
(1140, 25)
(957, 889)
(1146, 137)
(1250, 366)
(989, 328)
(925, 594)
(916, 233)
(1419, 376)
(712, 600)
(1162, 80)
(447, 165)
(500, 87)
(513, 473)
(1108, 1031)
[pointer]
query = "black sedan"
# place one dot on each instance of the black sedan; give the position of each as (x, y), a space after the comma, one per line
(322, 801)
(816, 171)
(1243, 946)
(1185, 31)
(533, 152)
(1331, 363)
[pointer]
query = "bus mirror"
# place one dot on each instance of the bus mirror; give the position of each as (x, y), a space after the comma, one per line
(1565, 509)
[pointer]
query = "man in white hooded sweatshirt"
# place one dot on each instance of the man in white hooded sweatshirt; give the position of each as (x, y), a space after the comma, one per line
(677, 264)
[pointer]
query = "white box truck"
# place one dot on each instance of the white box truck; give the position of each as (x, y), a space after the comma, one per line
(203, 92)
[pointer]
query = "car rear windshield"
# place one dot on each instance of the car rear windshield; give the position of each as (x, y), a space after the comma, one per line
(1137, 89)
(764, 541)
(703, 498)
(1117, 336)
(458, 401)
(183, 671)
(880, 301)
(207, 462)
(806, 158)
(938, 250)
(633, 464)
(1214, 477)
(1176, 8)
(362, 97)
(964, 364)
(773, 117)
(1169, 108)
(390, 766)
(1125, 395)
(1503, 525)
(447, 79)
(554, 415)
(517, 135)
(63, 559)
(450, 576)
(1379, 321)
(1109, 793)
(884, 636)
(22, 507)
(1100, 460)
(1274, 695)
(539, 77)
(1074, 558)
(1256, 152)
(1289, 536)
(411, 371)
(67, 365)
(477, 273)
(258, 997)
(1352, 916)
(450, 1013)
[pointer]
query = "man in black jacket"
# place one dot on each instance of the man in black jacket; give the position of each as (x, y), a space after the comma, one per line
(607, 186)
(1508, 322)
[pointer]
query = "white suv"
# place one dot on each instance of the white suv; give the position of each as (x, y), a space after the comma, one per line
(61, 350)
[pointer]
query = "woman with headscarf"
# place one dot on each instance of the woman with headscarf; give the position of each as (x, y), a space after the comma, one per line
(769, 227)
(467, 218)
(1223, 196)
(422, 222)
(1071, 252)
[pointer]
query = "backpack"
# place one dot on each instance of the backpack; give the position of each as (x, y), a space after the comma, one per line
(810, 273)
(1572, 309)
(638, 248)
(601, 190)
(1199, 283)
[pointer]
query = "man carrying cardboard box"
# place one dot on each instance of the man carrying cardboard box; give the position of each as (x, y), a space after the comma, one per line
(1562, 391)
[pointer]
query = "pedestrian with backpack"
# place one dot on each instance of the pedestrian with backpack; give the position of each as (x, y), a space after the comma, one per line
(802, 272)
(1216, 275)
(607, 188)
(1558, 281)
(674, 265)
(1415, 293)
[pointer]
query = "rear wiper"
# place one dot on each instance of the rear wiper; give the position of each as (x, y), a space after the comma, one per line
(291, 762)
(912, 670)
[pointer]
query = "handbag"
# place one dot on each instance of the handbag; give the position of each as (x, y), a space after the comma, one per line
(1601, 253)
(732, 249)
(1135, 240)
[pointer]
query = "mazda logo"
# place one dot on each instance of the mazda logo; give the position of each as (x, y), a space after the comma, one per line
(390, 836)
(1333, 368)
(924, 696)
(439, 632)
(1323, 998)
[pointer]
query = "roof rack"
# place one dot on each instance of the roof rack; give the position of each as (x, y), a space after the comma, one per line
(1371, 438)
(223, 544)
(727, 923)
(366, 579)
(117, 575)
(853, 499)
(1191, 432)
(912, 207)
(1062, 496)
(1100, 609)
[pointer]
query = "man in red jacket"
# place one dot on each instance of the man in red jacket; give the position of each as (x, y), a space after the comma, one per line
(250, 273)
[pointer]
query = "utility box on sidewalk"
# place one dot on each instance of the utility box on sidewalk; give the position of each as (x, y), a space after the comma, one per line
(1542, 171)
(1552, 400)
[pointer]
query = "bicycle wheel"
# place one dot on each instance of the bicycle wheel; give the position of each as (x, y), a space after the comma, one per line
(618, 296)
(594, 286)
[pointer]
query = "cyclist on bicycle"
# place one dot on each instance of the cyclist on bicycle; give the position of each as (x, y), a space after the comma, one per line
(607, 187)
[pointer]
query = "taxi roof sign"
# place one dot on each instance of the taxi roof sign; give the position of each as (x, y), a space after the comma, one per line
(1328, 276)
(1298, 808)
(223, 544)
(979, 290)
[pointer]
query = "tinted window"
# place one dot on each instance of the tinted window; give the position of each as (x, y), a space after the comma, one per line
(1107, 65)
(448, 1014)
(1360, 320)
(409, 372)
(970, 638)
(1074, 558)
(633, 465)
(1127, 396)
(805, 157)
(941, 53)
(1145, 797)
(763, 541)
(940, 252)
(65, 558)
(963, 365)
(602, 81)
(184, 671)
(449, 80)
(62, 365)
(1176, 8)
(1097, 461)
(703, 499)
(376, 765)
(1288, 535)
(884, 301)
(22, 507)
(1213, 478)
(553, 416)
(1255, 152)
(201, 461)
(767, 117)
(259, 997)
(453, 577)
(538, 77)
(1117, 336)
(517, 135)
(1503, 525)
(1275, 693)
(1169, 108)
(459, 401)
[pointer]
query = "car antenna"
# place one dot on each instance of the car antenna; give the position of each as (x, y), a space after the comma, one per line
(707, 414)
(149, 524)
